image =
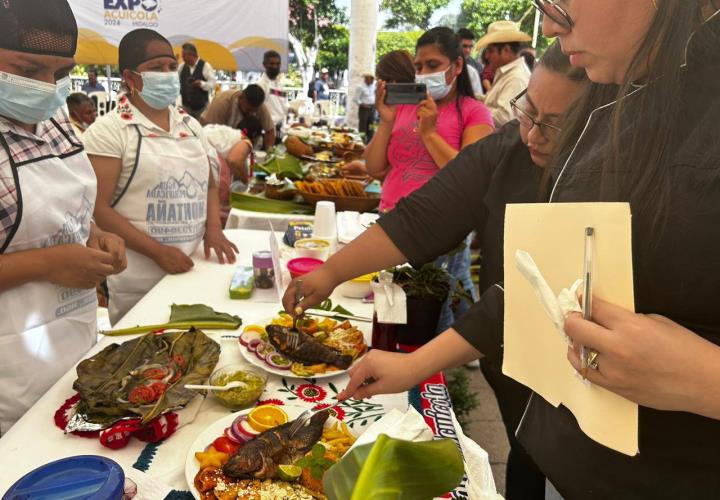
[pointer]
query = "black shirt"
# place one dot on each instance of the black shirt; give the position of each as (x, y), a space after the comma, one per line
(470, 193)
(676, 274)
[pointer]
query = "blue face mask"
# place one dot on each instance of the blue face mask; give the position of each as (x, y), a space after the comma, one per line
(31, 101)
(160, 89)
(435, 83)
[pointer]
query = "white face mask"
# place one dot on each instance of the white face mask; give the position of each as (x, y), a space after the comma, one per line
(31, 101)
(160, 89)
(435, 83)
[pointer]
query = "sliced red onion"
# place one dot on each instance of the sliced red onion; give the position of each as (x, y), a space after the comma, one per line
(249, 335)
(263, 351)
(254, 344)
(232, 436)
(277, 360)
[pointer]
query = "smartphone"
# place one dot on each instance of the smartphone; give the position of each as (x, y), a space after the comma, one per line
(405, 93)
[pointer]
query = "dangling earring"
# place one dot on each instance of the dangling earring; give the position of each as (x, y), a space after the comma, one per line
(655, 4)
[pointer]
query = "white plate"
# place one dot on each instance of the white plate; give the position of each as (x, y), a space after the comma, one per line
(254, 360)
(217, 430)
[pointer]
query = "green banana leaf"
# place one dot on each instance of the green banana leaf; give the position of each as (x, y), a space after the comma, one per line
(255, 203)
(287, 164)
(106, 379)
(393, 469)
(183, 317)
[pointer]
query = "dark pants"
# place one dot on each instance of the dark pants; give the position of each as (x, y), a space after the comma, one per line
(523, 479)
(366, 117)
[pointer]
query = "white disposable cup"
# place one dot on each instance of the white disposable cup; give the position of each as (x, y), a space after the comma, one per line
(325, 225)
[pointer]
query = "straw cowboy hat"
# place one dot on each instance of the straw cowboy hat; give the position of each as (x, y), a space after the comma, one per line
(503, 32)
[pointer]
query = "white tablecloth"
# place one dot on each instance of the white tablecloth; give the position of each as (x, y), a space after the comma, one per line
(35, 440)
(247, 219)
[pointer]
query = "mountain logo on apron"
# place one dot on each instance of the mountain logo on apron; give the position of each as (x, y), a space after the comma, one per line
(176, 209)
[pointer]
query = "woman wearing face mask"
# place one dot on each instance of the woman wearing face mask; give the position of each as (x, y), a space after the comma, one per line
(155, 188)
(504, 168)
(650, 139)
(412, 143)
(51, 254)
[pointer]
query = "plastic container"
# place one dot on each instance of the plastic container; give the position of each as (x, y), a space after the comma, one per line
(241, 286)
(357, 288)
(314, 248)
(263, 270)
(241, 397)
(302, 266)
(86, 477)
(384, 335)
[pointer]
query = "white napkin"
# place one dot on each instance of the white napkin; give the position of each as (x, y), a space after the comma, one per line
(350, 225)
(390, 311)
(409, 426)
(556, 307)
(148, 488)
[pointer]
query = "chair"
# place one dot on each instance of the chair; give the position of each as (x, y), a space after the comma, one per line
(101, 102)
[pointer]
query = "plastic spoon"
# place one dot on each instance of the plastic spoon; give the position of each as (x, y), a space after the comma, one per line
(231, 385)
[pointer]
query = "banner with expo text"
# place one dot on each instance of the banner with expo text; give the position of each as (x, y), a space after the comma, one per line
(230, 34)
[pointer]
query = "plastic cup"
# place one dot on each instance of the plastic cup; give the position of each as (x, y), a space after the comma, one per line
(325, 220)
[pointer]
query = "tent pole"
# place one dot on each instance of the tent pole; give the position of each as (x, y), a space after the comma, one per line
(108, 74)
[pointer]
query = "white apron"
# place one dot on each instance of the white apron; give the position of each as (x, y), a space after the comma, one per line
(45, 328)
(166, 198)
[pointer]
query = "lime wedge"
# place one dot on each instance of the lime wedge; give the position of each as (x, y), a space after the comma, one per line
(289, 472)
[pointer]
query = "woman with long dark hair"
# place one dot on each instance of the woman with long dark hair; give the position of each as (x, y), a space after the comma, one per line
(412, 143)
(645, 132)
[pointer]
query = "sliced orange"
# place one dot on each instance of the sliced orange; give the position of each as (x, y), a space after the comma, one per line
(266, 417)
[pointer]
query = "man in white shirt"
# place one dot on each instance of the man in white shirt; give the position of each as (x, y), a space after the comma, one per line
(504, 43)
(197, 80)
(365, 99)
(272, 83)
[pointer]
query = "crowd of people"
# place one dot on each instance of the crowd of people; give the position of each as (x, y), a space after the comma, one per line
(622, 107)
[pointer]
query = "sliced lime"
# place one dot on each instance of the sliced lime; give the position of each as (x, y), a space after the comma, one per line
(289, 472)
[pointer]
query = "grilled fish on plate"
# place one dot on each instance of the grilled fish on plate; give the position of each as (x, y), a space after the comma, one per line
(309, 351)
(260, 457)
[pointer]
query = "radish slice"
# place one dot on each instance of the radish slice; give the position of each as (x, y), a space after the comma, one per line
(254, 344)
(248, 336)
(277, 360)
(232, 437)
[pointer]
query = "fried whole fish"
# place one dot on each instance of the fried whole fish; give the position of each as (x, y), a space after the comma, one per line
(260, 457)
(309, 350)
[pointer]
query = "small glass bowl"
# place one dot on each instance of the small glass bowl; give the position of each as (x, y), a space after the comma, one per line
(240, 397)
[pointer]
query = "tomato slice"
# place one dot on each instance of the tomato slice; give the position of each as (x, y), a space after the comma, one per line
(141, 395)
(158, 389)
(224, 445)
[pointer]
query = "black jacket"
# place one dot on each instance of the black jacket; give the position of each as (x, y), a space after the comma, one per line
(676, 274)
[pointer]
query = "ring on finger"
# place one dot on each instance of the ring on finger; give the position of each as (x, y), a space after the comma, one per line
(592, 360)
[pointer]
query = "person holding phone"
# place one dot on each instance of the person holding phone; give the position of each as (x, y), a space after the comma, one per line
(413, 142)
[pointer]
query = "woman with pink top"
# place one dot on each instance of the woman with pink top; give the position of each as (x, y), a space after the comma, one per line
(413, 143)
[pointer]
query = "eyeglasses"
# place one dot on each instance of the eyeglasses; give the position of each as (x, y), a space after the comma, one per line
(551, 9)
(528, 121)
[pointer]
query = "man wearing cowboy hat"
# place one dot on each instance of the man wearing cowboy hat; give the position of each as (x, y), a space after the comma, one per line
(503, 44)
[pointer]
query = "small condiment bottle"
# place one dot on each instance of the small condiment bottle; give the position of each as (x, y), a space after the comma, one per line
(263, 270)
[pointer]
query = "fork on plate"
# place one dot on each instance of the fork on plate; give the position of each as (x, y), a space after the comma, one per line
(293, 336)
(304, 418)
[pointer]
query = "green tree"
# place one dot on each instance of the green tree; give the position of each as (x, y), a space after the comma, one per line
(312, 23)
(387, 41)
(478, 14)
(334, 49)
(411, 13)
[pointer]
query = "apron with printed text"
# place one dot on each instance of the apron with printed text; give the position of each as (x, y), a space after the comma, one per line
(165, 198)
(45, 328)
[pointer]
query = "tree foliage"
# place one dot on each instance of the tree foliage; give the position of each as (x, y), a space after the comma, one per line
(478, 14)
(387, 41)
(334, 49)
(411, 13)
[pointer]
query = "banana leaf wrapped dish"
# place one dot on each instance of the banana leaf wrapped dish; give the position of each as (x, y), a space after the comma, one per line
(142, 378)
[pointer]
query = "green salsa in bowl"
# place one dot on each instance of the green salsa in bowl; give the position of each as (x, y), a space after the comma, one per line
(240, 397)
